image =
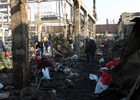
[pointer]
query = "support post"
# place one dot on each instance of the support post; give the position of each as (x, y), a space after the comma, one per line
(20, 40)
(94, 29)
(3, 29)
(86, 24)
(85, 27)
(38, 21)
(77, 34)
(65, 21)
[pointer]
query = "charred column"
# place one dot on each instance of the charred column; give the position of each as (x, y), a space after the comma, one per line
(65, 21)
(20, 42)
(77, 24)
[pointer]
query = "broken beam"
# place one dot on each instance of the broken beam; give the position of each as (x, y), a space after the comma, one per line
(48, 21)
(6, 3)
(32, 1)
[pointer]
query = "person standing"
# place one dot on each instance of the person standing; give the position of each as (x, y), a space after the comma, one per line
(106, 44)
(2, 48)
(105, 47)
(71, 43)
(48, 46)
(91, 49)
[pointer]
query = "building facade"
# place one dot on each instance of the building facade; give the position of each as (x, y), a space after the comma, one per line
(109, 31)
(5, 10)
(125, 24)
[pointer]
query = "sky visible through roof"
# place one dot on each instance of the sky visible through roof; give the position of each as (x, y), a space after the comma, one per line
(106, 9)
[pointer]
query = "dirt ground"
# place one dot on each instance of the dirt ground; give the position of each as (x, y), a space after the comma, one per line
(69, 81)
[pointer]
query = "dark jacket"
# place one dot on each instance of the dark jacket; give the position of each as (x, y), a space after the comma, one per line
(91, 47)
(45, 63)
(70, 41)
(39, 44)
(87, 47)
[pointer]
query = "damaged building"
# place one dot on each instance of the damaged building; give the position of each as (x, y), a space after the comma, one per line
(114, 76)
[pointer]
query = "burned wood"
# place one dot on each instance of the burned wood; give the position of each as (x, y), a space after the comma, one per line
(125, 74)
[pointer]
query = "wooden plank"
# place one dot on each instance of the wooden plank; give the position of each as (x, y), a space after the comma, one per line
(136, 84)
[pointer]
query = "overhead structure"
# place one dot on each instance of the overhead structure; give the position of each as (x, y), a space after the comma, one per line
(79, 5)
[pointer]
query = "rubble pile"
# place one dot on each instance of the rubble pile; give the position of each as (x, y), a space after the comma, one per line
(128, 70)
(66, 77)
(117, 48)
(125, 74)
(114, 77)
(60, 46)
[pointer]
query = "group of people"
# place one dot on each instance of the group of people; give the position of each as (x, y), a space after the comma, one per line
(41, 59)
(41, 48)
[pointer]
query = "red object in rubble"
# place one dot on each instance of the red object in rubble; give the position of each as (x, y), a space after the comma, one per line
(112, 63)
(7, 54)
(37, 58)
(106, 78)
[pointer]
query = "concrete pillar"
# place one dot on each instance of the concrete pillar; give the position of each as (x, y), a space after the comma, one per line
(2, 27)
(72, 13)
(86, 24)
(65, 21)
(71, 25)
(20, 39)
(85, 27)
(77, 26)
(94, 29)
(38, 21)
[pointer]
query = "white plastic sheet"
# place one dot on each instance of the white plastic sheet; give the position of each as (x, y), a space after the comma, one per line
(4, 95)
(1, 86)
(123, 99)
(93, 77)
(101, 60)
(100, 87)
(103, 69)
(75, 56)
(46, 74)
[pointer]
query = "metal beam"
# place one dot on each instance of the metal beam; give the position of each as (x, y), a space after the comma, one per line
(32, 1)
(4, 23)
(41, 22)
(6, 3)
(48, 21)
(4, 14)
(83, 7)
(69, 2)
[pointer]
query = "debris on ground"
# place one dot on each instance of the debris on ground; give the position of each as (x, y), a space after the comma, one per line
(112, 78)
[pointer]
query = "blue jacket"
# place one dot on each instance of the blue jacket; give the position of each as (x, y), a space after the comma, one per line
(47, 43)
(2, 47)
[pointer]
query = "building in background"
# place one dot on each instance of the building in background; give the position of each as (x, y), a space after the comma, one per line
(5, 10)
(46, 16)
(109, 31)
(125, 24)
